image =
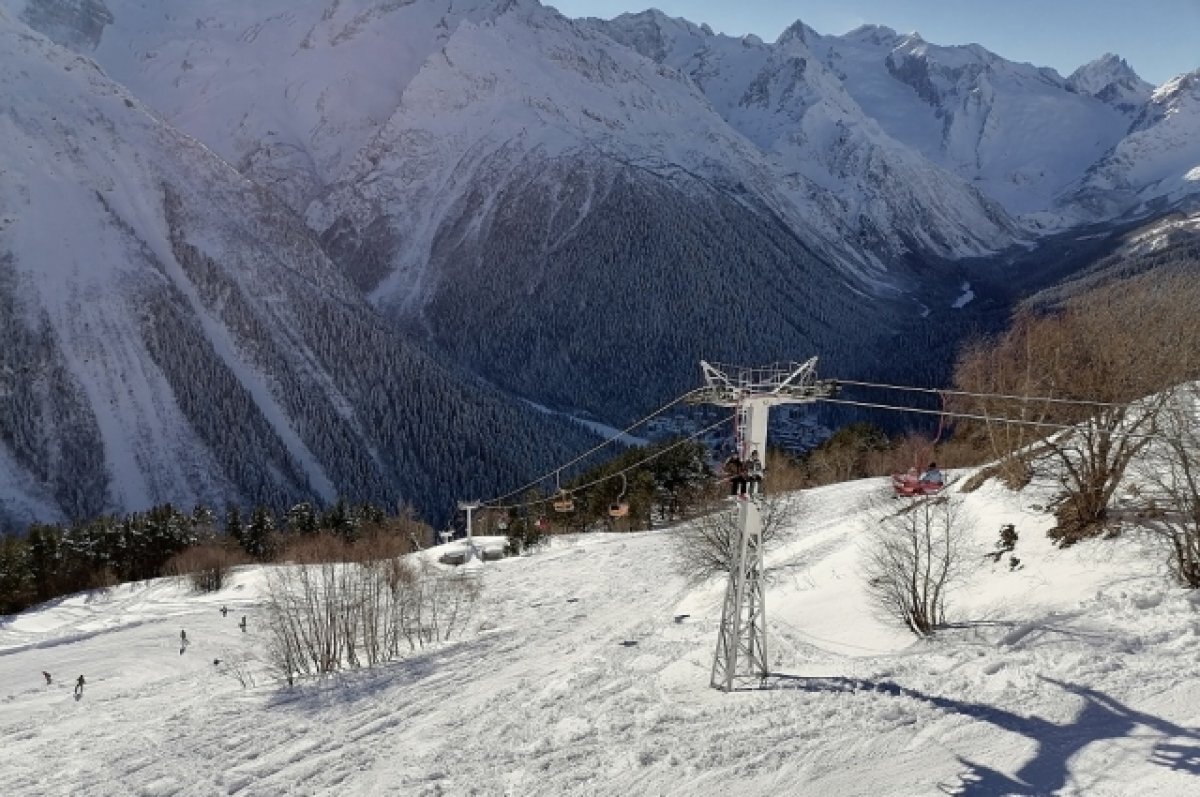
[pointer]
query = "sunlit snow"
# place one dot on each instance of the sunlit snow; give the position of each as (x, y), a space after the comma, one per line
(586, 671)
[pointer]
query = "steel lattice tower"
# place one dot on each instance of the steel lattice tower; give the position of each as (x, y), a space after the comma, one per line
(742, 640)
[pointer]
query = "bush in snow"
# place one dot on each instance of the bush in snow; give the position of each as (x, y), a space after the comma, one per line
(913, 559)
(1173, 468)
(205, 566)
(336, 606)
(709, 544)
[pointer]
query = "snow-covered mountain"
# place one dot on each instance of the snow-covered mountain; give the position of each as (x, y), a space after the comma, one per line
(172, 332)
(286, 91)
(577, 211)
(1157, 165)
(1014, 131)
(861, 136)
(820, 141)
(1111, 79)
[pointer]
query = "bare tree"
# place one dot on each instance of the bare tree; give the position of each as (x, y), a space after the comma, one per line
(1172, 467)
(206, 566)
(991, 369)
(336, 606)
(708, 546)
(913, 559)
(1112, 351)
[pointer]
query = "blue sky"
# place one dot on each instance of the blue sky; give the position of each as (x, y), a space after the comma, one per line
(1159, 38)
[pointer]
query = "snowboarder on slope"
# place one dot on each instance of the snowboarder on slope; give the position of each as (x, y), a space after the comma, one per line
(79, 682)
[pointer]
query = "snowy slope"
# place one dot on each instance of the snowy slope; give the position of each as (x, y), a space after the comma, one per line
(586, 671)
(167, 326)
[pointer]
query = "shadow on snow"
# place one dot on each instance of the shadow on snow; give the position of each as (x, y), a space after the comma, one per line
(1048, 770)
(421, 669)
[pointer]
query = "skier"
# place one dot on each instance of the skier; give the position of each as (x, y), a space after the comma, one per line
(224, 611)
(754, 473)
(183, 638)
(242, 624)
(46, 675)
(79, 682)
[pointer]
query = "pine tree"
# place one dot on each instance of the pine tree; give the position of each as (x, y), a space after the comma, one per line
(233, 525)
(257, 535)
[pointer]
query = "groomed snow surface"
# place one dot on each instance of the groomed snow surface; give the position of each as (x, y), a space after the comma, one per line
(586, 671)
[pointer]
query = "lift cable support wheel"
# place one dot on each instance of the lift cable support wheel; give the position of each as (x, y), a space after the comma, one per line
(742, 640)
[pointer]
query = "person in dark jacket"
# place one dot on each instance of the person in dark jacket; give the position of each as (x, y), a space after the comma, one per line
(79, 682)
(735, 471)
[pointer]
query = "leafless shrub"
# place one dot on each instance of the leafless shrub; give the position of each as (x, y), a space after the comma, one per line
(913, 558)
(1172, 467)
(709, 544)
(205, 566)
(335, 607)
(1121, 346)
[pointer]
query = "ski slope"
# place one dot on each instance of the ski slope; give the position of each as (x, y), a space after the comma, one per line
(586, 671)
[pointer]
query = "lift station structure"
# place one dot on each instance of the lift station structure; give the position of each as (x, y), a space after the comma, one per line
(742, 641)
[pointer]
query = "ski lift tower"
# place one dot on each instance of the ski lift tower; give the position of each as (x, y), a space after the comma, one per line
(752, 392)
(469, 507)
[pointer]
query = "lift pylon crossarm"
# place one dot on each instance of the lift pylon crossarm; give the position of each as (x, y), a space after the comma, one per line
(779, 383)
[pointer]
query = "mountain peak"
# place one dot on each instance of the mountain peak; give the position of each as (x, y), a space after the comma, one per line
(797, 31)
(1110, 79)
(873, 34)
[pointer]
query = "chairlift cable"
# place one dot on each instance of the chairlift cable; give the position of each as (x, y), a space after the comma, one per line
(591, 451)
(946, 392)
(993, 419)
(620, 473)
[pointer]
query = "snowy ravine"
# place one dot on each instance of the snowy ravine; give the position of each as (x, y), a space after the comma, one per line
(586, 671)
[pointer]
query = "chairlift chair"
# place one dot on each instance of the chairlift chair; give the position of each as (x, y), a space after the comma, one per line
(904, 485)
(911, 485)
(620, 508)
(564, 503)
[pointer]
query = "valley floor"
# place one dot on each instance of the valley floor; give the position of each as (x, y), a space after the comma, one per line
(586, 671)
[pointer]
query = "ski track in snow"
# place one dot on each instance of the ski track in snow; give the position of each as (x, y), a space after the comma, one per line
(586, 671)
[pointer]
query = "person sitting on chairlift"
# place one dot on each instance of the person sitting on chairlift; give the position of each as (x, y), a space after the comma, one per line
(932, 475)
(754, 473)
(735, 472)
